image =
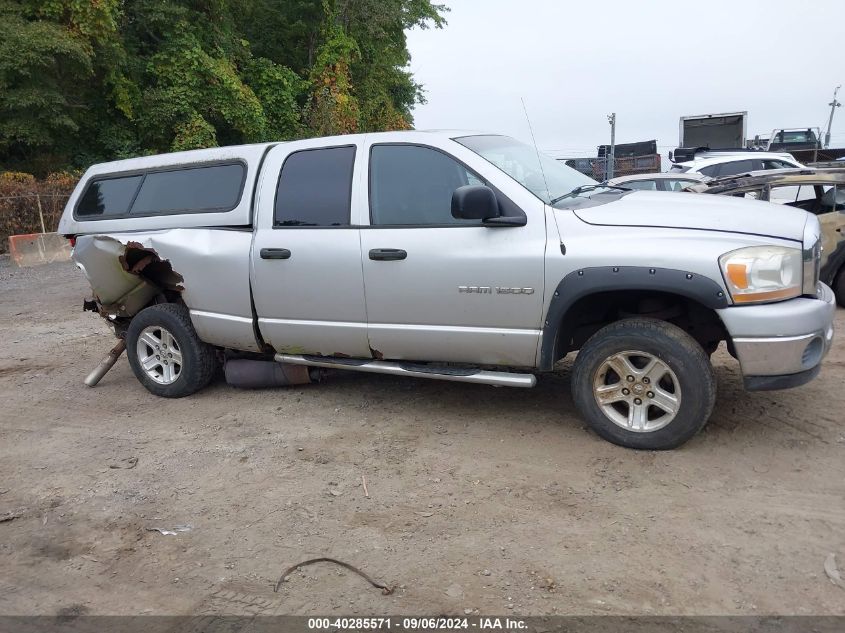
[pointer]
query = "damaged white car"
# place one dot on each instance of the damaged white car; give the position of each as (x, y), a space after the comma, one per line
(457, 256)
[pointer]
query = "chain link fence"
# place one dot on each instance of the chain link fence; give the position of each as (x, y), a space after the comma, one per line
(31, 206)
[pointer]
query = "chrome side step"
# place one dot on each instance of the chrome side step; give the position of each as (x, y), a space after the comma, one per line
(416, 370)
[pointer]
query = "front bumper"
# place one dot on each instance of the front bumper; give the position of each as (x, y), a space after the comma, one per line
(781, 345)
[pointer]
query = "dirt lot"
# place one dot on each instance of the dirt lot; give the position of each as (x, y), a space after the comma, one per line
(480, 498)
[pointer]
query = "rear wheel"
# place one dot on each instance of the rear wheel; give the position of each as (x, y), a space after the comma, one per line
(165, 353)
(644, 383)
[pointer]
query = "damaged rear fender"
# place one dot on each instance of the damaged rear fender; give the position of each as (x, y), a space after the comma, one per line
(124, 277)
(206, 269)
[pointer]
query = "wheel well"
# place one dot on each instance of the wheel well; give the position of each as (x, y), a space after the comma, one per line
(147, 264)
(837, 274)
(591, 313)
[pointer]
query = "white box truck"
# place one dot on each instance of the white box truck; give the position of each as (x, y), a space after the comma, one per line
(714, 131)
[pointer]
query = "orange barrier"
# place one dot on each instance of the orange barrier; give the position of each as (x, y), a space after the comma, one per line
(38, 248)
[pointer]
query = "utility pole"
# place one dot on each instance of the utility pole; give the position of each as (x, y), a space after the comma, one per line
(611, 159)
(833, 105)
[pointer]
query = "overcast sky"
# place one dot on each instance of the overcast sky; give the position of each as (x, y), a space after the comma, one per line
(650, 61)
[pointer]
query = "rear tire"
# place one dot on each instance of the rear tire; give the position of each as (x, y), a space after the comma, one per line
(165, 353)
(644, 383)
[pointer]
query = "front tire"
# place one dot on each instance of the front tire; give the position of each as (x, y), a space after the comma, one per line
(165, 353)
(644, 383)
(839, 288)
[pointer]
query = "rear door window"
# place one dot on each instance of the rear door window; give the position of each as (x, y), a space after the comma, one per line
(735, 167)
(710, 170)
(315, 188)
(776, 164)
(108, 197)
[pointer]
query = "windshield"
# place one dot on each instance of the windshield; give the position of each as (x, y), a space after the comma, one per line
(803, 136)
(548, 179)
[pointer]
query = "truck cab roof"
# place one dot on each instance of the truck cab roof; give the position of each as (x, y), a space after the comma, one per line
(229, 152)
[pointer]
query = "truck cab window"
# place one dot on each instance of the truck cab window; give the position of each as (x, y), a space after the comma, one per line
(414, 185)
(315, 188)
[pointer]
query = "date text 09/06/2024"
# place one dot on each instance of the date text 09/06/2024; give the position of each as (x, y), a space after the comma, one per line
(479, 623)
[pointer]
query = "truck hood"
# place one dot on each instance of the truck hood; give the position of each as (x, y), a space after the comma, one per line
(696, 211)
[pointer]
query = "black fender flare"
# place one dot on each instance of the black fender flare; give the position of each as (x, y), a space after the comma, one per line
(834, 264)
(587, 281)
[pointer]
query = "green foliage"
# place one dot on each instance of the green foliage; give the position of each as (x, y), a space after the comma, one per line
(333, 107)
(285, 31)
(41, 65)
(278, 89)
(83, 81)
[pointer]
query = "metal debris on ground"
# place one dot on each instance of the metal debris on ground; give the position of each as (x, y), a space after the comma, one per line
(832, 571)
(106, 364)
(385, 590)
(171, 531)
(125, 463)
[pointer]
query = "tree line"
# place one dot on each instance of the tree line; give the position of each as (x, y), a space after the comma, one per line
(83, 81)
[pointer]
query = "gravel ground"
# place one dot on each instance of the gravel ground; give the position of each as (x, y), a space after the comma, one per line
(479, 498)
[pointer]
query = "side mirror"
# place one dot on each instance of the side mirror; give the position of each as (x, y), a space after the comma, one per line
(474, 202)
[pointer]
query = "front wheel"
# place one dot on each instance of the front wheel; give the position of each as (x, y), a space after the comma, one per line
(644, 383)
(165, 353)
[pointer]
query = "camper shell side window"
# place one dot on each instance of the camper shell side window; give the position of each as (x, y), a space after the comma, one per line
(174, 190)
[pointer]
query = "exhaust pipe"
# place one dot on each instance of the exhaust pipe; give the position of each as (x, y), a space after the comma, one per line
(261, 374)
(106, 364)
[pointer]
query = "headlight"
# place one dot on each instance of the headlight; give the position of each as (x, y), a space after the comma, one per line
(762, 273)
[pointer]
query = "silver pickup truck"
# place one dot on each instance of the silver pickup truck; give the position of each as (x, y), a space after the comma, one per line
(452, 255)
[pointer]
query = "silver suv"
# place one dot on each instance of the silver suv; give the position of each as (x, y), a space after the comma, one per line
(452, 255)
